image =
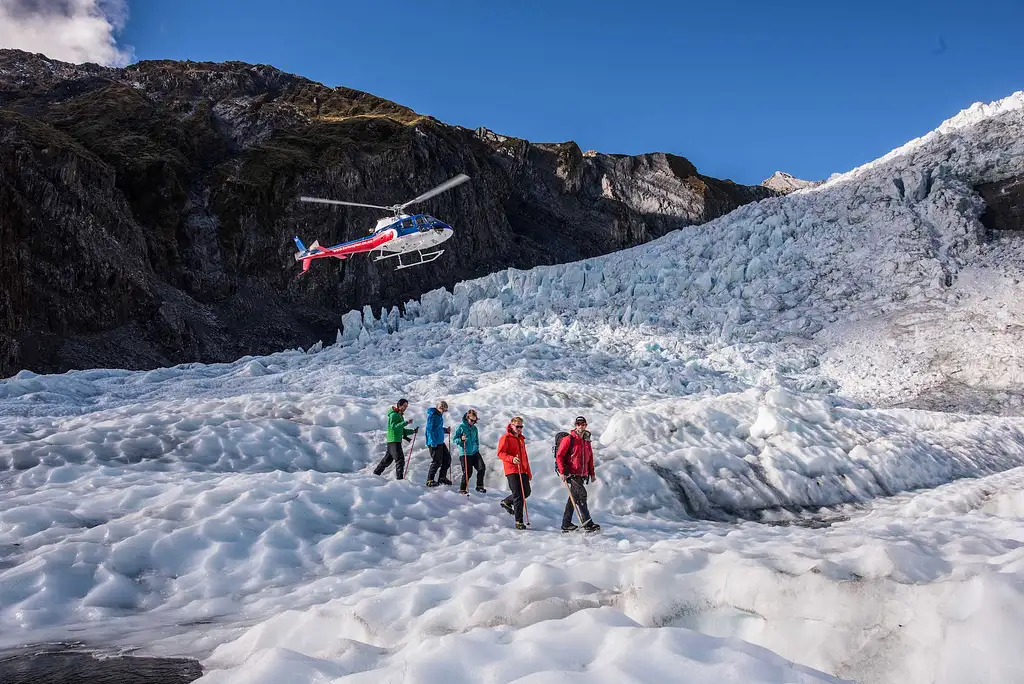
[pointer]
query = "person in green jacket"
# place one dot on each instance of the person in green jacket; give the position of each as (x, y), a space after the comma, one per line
(466, 437)
(397, 431)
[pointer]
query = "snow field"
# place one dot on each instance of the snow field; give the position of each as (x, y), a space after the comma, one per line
(188, 548)
(909, 600)
(593, 645)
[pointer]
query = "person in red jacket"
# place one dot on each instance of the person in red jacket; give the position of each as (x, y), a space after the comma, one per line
(512, 452)
(575, 463)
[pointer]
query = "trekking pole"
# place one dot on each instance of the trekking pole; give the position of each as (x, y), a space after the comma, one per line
(522, 493)
(573, 499)
(465, 463)
(449, 436)
(465, 467)
(408, 459)
(464, 489)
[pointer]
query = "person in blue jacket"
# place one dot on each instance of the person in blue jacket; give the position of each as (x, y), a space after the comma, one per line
(468, 441)
(440, 457)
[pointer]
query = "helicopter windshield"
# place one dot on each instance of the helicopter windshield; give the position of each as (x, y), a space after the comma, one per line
(412, 224)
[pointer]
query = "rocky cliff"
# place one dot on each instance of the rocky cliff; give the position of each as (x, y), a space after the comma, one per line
(146, 213)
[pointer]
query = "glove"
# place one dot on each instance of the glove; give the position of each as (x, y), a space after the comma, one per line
(447, 431)
(515, 459)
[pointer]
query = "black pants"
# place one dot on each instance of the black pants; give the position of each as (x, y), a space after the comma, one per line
(440, 458)
(394, 455)
(579, 493)
(469, 463)
(518, 496)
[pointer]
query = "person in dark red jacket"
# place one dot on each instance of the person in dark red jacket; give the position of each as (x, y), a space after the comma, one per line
(512, 452)
(575, 462)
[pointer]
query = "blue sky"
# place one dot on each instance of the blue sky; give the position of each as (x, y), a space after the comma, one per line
(739, 88)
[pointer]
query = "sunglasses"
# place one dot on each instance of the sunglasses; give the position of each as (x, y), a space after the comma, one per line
(584, 423)
(520, 427)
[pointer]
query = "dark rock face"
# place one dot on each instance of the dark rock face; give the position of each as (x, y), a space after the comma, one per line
(146, 213)
(1004, 205)
(56, 665)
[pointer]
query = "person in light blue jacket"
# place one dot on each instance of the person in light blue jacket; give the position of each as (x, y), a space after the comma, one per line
(469, 442)
(440, 457)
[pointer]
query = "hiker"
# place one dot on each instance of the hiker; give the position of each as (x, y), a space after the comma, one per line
(512, 452)
(440, 457)
(575, 462)
(397, 431)
(467, 438)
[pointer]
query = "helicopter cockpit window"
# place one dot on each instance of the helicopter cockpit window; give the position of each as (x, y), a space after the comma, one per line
(423, 223)
(407, 223)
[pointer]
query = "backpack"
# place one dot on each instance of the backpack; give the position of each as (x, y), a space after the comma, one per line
(558, 441)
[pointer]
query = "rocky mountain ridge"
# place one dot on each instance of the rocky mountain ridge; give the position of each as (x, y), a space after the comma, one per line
(146, 213)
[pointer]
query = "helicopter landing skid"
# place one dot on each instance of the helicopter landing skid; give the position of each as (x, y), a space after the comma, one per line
(425, 258)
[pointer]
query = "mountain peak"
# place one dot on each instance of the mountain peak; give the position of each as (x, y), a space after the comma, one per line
(784, 183)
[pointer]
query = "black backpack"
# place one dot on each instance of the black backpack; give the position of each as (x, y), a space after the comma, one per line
(558, 440)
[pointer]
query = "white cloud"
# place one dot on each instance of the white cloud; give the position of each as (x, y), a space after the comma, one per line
(69, 30)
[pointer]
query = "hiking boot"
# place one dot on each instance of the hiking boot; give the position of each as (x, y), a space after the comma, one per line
(432, 483)
(482, 490)
(520, 526)
(591, 527)
(445, 481)
(507, 505)
(378, 473)
(462, 490)
(570, 528)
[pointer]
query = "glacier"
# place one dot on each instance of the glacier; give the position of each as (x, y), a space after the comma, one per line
(779, 504)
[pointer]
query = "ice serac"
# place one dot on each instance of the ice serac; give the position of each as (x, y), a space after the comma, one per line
(898, 282)
(147, 213)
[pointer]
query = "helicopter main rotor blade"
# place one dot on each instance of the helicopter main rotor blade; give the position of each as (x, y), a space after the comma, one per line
(447, 185)
(320, 200)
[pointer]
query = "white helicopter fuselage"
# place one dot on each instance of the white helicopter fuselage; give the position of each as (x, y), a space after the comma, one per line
(409, 237)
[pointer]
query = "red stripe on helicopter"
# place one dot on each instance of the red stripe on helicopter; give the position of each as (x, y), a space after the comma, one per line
(365, 244)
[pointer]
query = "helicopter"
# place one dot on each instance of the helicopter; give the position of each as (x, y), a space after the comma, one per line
(393, 235)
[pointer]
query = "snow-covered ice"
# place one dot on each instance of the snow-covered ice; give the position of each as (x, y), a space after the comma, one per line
(776, 505)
